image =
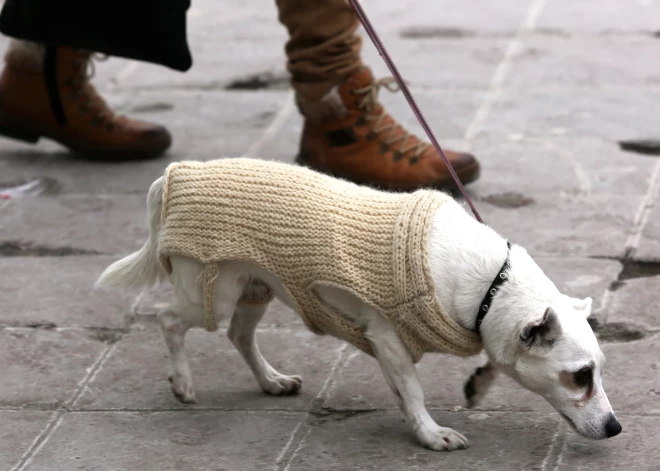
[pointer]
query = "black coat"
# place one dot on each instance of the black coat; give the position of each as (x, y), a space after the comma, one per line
(146, 30)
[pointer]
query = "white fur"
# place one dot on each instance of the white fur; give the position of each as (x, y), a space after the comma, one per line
(464, 257)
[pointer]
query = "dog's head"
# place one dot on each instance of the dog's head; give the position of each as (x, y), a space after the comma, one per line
(547, 346)
(557, 356)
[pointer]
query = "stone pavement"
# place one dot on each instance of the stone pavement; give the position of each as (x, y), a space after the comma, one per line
(541, 90)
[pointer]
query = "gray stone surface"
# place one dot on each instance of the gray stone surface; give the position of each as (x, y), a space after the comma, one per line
(84, 373)
(631, 376)
(478, 58)
(575, 112)
(562, 225)
(611, 16)
(221, 378)
(32, 297)
(166, 441)
(484, 19)
(570, 166)
(637, 301)
(580, 277)
(105, 224)
(649, 246)
(634, 449)
(43, 368)
(381, 441)
(560, 60)
(18, 429)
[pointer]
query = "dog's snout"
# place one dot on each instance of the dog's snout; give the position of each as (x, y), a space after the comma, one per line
(612, 426)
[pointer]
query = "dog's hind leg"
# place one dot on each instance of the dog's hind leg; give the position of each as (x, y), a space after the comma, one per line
(242, 334)
(174, 330)
(399, 370)
(478, 384)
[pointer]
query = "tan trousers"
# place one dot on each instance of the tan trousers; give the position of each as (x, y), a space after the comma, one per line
(323, 48)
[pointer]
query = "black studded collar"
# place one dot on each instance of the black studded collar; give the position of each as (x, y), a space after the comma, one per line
(494, 288)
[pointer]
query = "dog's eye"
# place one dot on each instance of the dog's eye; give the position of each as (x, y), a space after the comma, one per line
(583, 377)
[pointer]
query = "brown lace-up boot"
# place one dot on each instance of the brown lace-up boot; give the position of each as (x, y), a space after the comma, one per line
(349, 134)
(47, 92)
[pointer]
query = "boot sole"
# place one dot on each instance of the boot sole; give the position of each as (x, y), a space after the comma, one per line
(13, 129)
(465, 175)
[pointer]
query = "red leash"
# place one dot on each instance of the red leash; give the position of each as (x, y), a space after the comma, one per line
(411, 101)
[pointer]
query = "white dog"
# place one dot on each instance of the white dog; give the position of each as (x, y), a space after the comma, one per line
(532, 332)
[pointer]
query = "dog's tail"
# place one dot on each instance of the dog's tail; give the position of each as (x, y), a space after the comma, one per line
(140, 269)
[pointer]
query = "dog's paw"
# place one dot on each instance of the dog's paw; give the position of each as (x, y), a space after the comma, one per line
(279, 384)
(182, 389)
(442, 439)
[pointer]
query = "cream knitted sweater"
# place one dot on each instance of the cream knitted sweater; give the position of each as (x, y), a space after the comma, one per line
(309, 229)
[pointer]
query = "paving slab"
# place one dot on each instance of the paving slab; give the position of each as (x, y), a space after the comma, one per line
(382, 441)
(221, 378)
(420, 62)
(636, 302)
(86, 224)
(563, 225)
(42, 368)
(448, 19)
(564, 60)
(634, 449)
(18, 429)
(604, 17)
(612, 114)
(631, 376)
(649, 245)
(166, 441)
(580, 277)
(29, 297)
(528, 167)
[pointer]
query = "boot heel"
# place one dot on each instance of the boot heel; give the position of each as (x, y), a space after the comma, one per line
(13, 131)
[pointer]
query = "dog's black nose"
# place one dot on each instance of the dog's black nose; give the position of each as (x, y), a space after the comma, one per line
(612, 427)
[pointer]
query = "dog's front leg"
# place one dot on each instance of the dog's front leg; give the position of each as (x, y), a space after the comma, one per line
(401, 375)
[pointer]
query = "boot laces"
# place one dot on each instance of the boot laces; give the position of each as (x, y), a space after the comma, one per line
(369, 104)
(84, 70)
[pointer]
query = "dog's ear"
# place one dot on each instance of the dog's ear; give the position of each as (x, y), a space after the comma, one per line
(542, 333)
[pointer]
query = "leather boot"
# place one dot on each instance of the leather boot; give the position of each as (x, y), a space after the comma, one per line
(349, 134)
(46, 92)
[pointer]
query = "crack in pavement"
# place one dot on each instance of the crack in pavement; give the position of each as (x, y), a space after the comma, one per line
(18, 249)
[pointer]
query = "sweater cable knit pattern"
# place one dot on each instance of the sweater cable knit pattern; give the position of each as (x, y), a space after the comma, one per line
(311, 230)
